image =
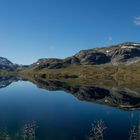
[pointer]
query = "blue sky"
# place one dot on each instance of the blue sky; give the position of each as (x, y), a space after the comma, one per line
(33, 29)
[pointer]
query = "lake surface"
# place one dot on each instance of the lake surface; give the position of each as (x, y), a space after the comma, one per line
(31, 113)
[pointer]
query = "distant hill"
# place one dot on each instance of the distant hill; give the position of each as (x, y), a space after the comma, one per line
(5, 64)
(125, 53)
(120, 61)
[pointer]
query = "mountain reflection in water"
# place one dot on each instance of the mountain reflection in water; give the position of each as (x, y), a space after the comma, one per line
(123, 98)
(99, 128)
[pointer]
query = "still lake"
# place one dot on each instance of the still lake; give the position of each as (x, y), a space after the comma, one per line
(31, 113)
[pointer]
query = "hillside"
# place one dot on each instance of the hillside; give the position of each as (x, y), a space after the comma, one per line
(124, 53)
(120, 61)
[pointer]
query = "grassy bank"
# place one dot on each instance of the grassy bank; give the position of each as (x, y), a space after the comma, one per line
(122, 72)
(105, 75)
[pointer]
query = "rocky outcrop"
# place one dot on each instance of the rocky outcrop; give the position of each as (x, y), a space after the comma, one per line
(92, 57)
(49, 63)
(121, 53)
(124, 53)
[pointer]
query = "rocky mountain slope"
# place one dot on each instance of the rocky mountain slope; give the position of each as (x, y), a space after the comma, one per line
(5, 64)
(125, 53)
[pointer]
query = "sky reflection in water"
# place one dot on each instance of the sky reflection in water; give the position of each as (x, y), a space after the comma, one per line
(27, 112)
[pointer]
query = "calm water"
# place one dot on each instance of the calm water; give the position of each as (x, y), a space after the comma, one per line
(31, 113)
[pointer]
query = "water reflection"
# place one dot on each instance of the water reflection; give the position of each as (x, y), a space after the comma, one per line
(123, 97)
(6, 81)
(72, 120)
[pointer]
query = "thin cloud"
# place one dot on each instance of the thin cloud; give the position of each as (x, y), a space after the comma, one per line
(137, 21)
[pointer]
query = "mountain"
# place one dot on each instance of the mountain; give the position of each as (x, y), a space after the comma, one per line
(120, 61)
(5, 64)
(125, 53)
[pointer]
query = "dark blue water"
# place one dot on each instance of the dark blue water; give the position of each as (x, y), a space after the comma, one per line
(28, 112)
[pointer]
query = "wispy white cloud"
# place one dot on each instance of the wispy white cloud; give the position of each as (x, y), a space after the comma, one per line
(137, 21)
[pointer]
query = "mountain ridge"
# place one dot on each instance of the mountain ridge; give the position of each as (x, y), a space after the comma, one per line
(126, 53)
